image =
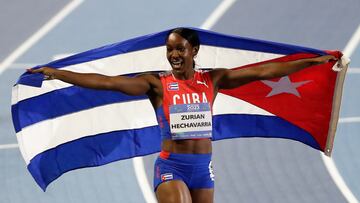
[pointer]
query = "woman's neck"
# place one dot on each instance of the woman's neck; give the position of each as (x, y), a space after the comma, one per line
(185, 75)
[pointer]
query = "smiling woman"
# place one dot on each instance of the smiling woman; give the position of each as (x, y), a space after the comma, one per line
(183, 170)
(180, 52)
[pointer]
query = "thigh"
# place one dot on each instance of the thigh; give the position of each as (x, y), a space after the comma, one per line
(202, 195)
(174, 191)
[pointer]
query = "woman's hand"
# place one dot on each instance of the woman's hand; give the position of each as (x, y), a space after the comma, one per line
(324, 59)
(49, 73)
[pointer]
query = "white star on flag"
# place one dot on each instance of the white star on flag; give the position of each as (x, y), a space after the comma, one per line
(284, 85)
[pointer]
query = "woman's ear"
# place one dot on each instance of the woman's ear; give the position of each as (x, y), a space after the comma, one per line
(195, 50)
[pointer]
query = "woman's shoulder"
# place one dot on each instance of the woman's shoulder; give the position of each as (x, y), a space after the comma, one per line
(164, 73)
(150, 75)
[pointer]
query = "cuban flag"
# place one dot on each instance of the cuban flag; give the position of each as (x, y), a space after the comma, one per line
(62, 127)
(174, 86)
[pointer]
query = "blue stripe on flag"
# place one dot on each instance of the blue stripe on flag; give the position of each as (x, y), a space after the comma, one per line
(243, 125)
(108, 147)
(158, 39)
(63, 101)
(93, 151)
(231, 41)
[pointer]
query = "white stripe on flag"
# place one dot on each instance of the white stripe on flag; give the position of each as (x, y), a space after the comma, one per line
(50, 133)
(148, 60)
(218, 57)
(225, 104)
(35, 138)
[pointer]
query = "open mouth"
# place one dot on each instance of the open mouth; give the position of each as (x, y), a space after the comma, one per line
(176, 64)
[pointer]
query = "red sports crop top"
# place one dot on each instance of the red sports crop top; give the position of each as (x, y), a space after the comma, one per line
(186, 111)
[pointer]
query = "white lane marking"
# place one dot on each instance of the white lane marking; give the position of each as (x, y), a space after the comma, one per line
(337, 178)
(329, 162)
(353, 43)
(217, 13)
(39, 34)
(349, 120)
(138, 162)
(23, 66)
(9, 146)
(353, 71)
(143, 182)
(29, 65)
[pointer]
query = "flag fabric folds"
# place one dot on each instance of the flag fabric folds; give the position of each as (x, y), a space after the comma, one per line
(62, 127)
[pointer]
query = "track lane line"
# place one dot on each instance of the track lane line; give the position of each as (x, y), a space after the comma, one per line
(217, 14)
(350, 120)
(353, 42)
(9, 146)
(39, 34)
(142, 180)
(328, 161)
(337, 178)
(353, 71)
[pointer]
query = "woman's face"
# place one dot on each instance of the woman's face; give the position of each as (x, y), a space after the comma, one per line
(180, 53)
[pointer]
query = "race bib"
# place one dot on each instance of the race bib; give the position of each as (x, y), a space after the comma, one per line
(190, 121)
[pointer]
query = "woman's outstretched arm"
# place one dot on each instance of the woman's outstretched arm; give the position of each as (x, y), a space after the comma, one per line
(137, 85)
(227, 78)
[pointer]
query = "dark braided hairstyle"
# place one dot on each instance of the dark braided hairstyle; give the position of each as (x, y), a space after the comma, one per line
(190, 35)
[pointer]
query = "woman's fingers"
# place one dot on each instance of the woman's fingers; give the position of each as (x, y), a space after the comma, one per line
(48, 77)
(331, 58)
(46, 71)
(326, 58)
(39, 70)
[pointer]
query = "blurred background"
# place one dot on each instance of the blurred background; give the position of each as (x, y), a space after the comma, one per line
(247, 169)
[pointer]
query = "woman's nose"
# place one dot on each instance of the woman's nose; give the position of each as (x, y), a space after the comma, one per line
(175, 54)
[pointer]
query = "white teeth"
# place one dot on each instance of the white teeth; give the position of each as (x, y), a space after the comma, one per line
(176, 64)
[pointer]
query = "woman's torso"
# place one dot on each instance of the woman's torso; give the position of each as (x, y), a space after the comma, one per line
(186, 106)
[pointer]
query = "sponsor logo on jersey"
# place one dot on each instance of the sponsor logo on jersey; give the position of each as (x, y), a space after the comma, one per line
(202, 83)
(166, 176)
(174, 86)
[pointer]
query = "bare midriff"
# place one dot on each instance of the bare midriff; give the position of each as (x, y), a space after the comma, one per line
(193, 146)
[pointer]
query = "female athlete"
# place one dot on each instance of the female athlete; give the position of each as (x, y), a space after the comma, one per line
(182, 99)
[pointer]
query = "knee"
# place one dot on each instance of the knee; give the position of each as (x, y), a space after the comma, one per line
(168, 198)
(173, 198)
(173, 193)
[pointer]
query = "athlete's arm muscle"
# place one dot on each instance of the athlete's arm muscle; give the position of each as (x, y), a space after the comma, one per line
(227, 79)
(137, 85)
